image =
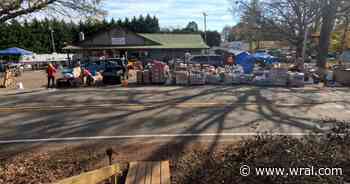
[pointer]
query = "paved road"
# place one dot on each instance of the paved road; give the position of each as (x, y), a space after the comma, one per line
(167, 112)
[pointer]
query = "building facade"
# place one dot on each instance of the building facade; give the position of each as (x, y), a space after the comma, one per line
(119, 42)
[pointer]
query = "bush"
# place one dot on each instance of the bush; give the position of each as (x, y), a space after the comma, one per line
(327, 151)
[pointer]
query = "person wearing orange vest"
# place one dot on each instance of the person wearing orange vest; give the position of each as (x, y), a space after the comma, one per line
(51, 71)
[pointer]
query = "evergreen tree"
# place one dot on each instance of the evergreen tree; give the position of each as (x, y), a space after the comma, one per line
(141, 26)
(112, 23)
(149, 25)
(133, 24)
(191, 27)
(120, 22)
(35, 35)
(155, 25)
(126, 23)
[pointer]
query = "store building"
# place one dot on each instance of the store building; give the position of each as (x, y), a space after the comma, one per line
(118, 42)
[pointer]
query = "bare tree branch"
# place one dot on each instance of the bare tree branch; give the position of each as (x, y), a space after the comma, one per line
(10, 9)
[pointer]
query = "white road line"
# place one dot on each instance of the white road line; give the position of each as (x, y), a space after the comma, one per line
(145, 105)
(152, 136)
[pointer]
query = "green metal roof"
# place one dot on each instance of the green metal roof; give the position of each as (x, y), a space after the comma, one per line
(176, 41)
(162, 40)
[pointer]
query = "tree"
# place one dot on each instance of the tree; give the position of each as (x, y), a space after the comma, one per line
(155, 24)
(149, 24)
(345, 21)
(142, 24)
(329, 11)
(133, 24)
(126, 23)
(251, 20)
(191, 27)
(213, 38)
(34, 35)
(288, 19)
(10, 9)
(228, 35)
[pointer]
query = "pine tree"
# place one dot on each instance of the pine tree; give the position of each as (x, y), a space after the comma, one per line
(141, 26)
(112, 23)
(155, 24)
(35, 35)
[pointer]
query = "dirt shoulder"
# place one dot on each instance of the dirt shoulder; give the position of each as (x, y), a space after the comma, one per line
(53, 162)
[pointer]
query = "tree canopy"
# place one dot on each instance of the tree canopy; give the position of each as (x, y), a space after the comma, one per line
(35, 35)
(10, 9)
(286, 19)
(292, 19)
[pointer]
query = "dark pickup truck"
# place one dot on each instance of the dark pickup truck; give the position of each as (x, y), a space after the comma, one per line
(115, 70)
(214, 60)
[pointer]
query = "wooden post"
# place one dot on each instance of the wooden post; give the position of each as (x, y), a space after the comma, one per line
(109, 153)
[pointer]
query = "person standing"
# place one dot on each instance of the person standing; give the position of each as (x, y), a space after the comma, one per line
(51, 72)
(7, 77)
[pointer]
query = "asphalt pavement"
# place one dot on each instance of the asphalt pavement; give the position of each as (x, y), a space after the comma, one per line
(166, 112)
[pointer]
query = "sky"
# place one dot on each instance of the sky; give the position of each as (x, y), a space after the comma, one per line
(174, 13)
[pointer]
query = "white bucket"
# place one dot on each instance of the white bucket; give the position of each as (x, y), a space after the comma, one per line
(20, 85)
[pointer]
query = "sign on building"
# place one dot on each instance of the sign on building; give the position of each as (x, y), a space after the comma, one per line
(118, 41)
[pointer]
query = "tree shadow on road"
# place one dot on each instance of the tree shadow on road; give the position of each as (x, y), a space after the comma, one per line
(246, 109)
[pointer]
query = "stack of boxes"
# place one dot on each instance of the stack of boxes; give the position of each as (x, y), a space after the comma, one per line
(146, 77)
(197, 78)
(158, 73)
(228, 78)
(213, 79)
(279, 76)
(296, 79)
(139, 77)
(181, 77)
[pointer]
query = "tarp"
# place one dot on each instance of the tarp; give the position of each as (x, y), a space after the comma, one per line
(345, 56)
(266, 58)
(247, 61)
(14, 51)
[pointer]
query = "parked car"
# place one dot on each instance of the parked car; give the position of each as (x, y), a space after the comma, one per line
(332, 56)
(28, 67)
(214, 60)
(115, 70)
(67, 79)
(345, 56)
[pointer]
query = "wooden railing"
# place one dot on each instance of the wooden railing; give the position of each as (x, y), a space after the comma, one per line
(110, 173)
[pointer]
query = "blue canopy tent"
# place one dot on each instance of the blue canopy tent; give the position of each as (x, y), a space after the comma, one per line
(266, 58)
(14, 51)
(246, 60)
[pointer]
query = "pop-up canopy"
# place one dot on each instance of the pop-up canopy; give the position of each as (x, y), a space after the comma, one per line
(14, 51)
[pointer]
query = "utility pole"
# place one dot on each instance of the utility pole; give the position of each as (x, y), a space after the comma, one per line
(205, 26)
(52, 40)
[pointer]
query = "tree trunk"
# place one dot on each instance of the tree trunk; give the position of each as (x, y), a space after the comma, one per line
(299, 49)
(316, 25)
(343, 43)
(328, 19)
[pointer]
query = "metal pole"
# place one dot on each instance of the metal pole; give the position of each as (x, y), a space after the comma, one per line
(52, 41)
(205, 26)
